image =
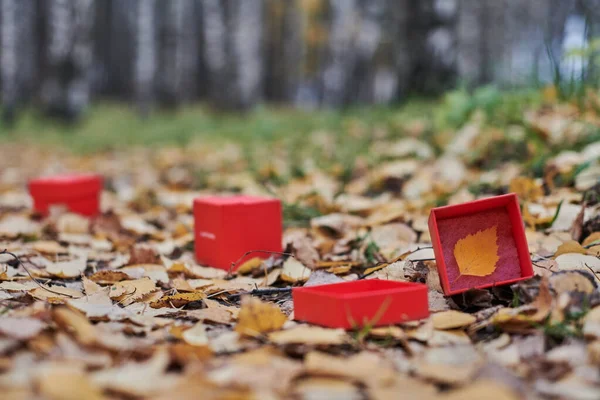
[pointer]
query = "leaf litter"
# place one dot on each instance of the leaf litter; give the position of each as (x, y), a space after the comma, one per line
(116, 307)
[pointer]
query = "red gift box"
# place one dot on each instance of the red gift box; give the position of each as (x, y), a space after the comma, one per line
(80, 193)
(227, 227)
(480, 244)
(358, 303)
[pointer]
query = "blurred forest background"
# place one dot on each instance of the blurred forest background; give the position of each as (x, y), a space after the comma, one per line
(59, 55)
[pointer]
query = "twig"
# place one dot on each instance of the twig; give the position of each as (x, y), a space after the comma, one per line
(234, 264)
(5, 251)
(401, 257)
(261, 292)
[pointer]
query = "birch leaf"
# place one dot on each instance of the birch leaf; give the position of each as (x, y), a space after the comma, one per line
(258, 317)
(477, 254)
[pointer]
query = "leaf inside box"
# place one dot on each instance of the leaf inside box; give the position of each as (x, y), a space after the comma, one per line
(479, 249)
(477, 254)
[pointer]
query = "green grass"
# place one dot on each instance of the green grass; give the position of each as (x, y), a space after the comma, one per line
(334, 139)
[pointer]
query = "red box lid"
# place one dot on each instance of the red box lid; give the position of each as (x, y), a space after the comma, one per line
(358, 303)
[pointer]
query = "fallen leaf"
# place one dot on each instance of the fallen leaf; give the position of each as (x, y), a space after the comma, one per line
(67, 269)
(127, 292)
(482, 389)
(48, 247)
(570, 247)
(353, 367)
(54, 294)
(310, 335)
(138, 379)
(21, 328)
(178, 300)
(477, 254)
(452, 319)
(72, 223)
(293, 271)
(250, 265)
(196, 335)
(573, 281)
(67, 382)
(109, 276)
(257, 317)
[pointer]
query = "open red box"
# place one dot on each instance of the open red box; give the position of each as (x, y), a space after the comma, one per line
(80, 193)
(358, 303)
(481, 236)
(227, 227)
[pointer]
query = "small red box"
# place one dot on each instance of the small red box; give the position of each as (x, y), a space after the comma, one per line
(227, 227)
(495, 217)
(358, 303)
(80, 193)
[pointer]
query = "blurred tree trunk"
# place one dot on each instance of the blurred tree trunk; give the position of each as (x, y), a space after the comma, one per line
(19, 67)
(145, 57)
(8, 60)
(66, 89)
(179, 52)
(233, 51)
(284, 44)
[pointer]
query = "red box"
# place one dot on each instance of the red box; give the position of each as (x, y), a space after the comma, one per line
(358, 303)
(80, 193)
(499, 216)
(227, 227)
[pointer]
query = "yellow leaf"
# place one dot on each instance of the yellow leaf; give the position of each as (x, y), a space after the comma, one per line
(452, 319)
(250, 265)
(258, 317)
(570, 246)
(178, 300)
(526, 188)
(477, 254)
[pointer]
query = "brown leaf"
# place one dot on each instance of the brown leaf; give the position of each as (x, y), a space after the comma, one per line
(178, 300)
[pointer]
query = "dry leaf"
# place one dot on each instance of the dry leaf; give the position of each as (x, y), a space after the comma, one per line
(477, 254)
(109, 276)
(353, 367)
(293, 271)
(482, 389)
(311, 335)
(196, 335)
(48, 247)
(67, 382)
(178, 300)
(452, 319)
(250, 265)
(21, 328)
(127, 292)
(138, 379)
(570, 247)
(67, 269)
(257, 317)
(55, 294)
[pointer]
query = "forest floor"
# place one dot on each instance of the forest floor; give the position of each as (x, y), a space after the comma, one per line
(116, 307)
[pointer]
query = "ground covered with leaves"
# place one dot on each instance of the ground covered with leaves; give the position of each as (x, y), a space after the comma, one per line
(115, 307)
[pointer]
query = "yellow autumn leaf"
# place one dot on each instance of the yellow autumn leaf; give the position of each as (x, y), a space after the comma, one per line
(258, 317)
(177, 300)
(477, 254)
(250, 265)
